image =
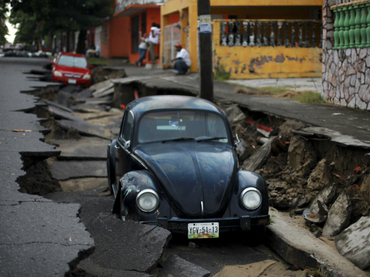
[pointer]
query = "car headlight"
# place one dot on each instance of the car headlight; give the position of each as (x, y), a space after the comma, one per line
(251, 198)
(58, 74)
(86, 77)
(147, 200)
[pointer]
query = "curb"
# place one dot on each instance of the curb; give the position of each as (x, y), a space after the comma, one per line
(300, 247)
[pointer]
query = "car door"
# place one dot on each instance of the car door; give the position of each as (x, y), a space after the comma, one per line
(124, 146)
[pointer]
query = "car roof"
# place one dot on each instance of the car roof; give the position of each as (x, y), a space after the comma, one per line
(170, 102)
(71, 54)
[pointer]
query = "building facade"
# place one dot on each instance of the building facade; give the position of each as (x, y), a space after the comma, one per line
(120, 34)
(251, 39)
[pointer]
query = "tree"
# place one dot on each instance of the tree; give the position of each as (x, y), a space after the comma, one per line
(87, 14)
(27, 24)
(3, 28)
(50, 16)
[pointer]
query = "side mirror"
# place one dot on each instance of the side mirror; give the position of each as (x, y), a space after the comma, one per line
(52, 62)
(127, 144)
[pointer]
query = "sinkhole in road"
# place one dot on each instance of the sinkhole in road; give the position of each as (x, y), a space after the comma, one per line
(296, 165)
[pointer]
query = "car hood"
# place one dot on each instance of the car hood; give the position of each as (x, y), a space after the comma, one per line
(193, 175)
(72, 70)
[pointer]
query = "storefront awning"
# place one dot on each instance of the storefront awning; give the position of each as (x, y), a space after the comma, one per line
(132, 9)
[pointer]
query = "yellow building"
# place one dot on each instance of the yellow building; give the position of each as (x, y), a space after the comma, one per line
(251, 38)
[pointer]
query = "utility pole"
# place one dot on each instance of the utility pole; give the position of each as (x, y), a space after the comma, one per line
(205, 50)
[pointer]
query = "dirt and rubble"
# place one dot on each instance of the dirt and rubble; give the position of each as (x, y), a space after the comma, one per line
(297, 166)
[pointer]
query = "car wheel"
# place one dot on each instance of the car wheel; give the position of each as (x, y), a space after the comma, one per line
(118, 204)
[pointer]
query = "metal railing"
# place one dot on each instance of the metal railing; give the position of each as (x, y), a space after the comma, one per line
(351, 25)
(288, 33)
(337, 2)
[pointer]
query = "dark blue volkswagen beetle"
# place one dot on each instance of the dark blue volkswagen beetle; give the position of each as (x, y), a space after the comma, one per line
(174, 165)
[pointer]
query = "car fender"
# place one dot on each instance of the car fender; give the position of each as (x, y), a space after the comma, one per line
(244, 180)
(130, 185)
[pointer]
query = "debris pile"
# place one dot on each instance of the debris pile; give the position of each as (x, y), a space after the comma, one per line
(307, 174)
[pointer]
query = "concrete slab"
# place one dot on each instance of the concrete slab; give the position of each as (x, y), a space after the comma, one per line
(122, 248)
(83, 149)
(300, 247)
(65, 170)
(130, 79)
(105, 93)
(100, 85)
(335, 137)
(56, 105)
(100, 92)
(299, 84)
(85, 128)
(182, 267)
(106, 100)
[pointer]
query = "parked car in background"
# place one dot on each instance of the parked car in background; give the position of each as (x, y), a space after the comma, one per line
(8, 47)
(174, 164)
(71, 69)
(19, 46)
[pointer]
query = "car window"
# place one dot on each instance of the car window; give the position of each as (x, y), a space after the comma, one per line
(128, 127)
(172, 125)
(72, 61)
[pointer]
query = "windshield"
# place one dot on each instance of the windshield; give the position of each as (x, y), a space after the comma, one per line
(182, 126)
(72, 61)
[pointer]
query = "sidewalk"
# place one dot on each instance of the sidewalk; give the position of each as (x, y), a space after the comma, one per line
(345, 126)
(298, 84)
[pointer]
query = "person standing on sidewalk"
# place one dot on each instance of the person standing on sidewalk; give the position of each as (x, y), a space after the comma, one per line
(153, 41)
(142, 49)
(182, 61)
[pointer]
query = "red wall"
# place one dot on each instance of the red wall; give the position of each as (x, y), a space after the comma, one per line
(118, 38)
(173, 18)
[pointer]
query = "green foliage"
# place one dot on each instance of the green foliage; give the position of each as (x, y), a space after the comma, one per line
(97, 61)
(309, 97)
(271, 220)
(276, 90)
(48, 17)
(3, 28)
(221, 73)
(27, 27)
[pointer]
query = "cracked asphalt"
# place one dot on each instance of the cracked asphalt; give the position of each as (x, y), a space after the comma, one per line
(38, 236)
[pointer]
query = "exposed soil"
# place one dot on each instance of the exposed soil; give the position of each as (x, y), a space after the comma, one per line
(38, 179)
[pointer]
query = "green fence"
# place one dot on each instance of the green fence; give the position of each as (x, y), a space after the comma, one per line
(352, 25)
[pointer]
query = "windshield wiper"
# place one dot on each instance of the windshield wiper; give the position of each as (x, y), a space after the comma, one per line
(177, 139)
(212, 138)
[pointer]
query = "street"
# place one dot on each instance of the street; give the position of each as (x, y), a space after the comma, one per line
(94, 242)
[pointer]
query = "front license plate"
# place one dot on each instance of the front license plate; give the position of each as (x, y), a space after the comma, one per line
(72, 81)
(203, 230)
